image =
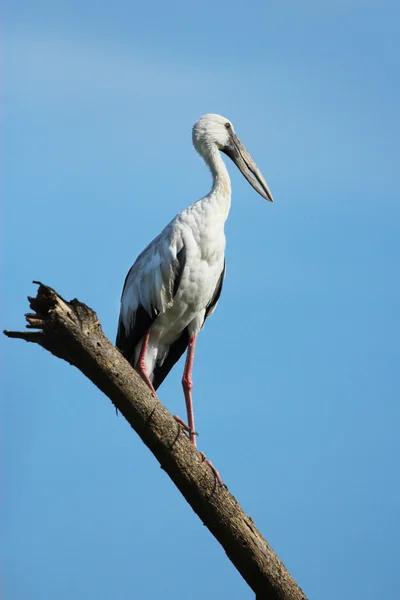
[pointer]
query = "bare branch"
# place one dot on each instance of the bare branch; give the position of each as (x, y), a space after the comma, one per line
(71, 331)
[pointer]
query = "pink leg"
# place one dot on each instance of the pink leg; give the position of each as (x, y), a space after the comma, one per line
(141, 367)
(183, 424)
(187, 384)
(217, 475)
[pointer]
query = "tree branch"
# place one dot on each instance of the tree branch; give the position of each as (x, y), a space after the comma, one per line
(71, 331)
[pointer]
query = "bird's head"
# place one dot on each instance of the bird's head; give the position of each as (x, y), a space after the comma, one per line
(213, 132)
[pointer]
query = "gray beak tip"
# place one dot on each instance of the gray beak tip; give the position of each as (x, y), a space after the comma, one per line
(267, 194)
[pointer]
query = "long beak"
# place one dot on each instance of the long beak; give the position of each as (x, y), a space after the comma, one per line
(242, 159)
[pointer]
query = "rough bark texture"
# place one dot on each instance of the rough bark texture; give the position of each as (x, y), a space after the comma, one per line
(71, 331)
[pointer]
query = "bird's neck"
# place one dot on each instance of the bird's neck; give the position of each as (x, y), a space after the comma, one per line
(220, 195)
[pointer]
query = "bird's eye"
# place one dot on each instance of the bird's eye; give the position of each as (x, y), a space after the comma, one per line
(228, 125)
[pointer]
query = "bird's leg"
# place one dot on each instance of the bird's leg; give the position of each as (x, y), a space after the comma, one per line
(187, 384)
(141, 367)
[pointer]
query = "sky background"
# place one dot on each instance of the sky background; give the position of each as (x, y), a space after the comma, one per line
(297, 383)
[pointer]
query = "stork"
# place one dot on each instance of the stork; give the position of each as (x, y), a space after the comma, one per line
(176, 282)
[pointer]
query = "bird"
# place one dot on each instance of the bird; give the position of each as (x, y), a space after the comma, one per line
(175, 284)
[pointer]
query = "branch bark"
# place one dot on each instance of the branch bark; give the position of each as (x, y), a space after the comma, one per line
(71, 331)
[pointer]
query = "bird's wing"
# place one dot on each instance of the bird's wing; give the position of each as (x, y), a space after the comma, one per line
(149, 288)
(216, 295)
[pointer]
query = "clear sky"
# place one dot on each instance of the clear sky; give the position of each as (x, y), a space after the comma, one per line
(297, 373)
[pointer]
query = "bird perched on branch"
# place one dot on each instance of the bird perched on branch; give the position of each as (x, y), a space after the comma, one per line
(176, 282)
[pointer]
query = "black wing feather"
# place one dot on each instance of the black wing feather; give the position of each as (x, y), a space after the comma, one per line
(128, 340)
(217, 293)
(179, 266)
(174, 353)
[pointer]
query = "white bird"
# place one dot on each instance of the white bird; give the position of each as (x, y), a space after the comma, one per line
(176, 282)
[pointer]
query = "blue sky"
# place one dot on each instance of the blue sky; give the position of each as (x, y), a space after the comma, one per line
(296, 374)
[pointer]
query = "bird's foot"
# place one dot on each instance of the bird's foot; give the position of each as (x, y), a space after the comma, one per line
(185, 427)
(192, 436)
(217, 475)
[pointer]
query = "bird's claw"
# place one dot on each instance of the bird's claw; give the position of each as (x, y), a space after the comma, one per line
(203, 456)
(217, 475)
(184, 426)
